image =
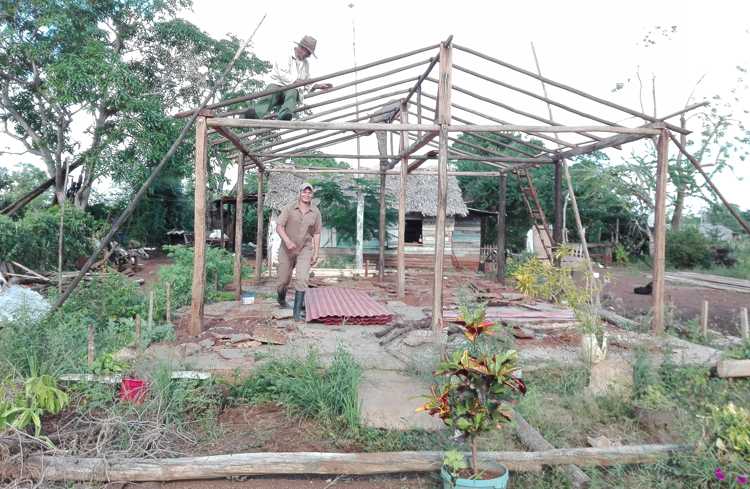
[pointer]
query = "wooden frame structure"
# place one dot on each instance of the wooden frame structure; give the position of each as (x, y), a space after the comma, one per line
(262, 142)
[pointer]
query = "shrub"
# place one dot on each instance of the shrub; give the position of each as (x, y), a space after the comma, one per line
(687, 248)
(33, 240)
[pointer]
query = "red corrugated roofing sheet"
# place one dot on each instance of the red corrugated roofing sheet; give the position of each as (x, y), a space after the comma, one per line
(334, 305)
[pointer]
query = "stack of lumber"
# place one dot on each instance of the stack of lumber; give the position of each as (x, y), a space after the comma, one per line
(710, 281)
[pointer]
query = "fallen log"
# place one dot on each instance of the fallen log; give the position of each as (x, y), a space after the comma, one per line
(618, 320)
(733, 368)
(530, 437)
(63, 468)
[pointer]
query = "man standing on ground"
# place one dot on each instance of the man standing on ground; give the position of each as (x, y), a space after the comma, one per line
(299, 228)
(296, 68)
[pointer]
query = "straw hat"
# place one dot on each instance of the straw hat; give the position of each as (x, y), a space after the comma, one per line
(309, 43)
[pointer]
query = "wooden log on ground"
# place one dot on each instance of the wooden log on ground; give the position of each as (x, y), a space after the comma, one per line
(60, 468)
(733, 368)
(744, 324)
(618, 320)
(530, 437)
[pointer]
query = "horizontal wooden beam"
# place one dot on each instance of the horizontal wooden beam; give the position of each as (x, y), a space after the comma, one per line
(609, 142)
(364, 171)
(451, 155)
(321, 126)
(62, 468)
(263, 93)
(643, 131)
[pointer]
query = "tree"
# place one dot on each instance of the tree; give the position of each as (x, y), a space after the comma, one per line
(114, 68)
(14, 184)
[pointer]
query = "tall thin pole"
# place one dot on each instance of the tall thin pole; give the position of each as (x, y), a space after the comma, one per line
(403, 179)
(62, 229)
(259, 230)
(199, 228)
(660, 233)
(503, 185)
(238, 222)
(444, 120)
(360, 197)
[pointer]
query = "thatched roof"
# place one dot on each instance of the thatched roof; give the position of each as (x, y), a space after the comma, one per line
(421, 192)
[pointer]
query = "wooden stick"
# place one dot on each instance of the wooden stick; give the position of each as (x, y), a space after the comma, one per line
(138, 333)
(530, 437)
(324, 126)
(501, 201)
(744, 328)
(644, 131)
(568, 88)
(259, 231)
(353, 171)
(58, 468)
(199, 229)
(152, 177)
(710, 183)
(238, 223)
(444, 120)
(660, 233)
(403, 182)
(309, 81)
(19, 204)
(609, 142)
(91, 350)
(733, 368)
(151, 309)
(413, 148)
(557, 230)
(168, 305)
(704, 319)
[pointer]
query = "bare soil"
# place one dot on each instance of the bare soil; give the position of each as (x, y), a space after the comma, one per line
(685, 301)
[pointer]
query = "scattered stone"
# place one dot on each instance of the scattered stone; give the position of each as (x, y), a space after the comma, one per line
(267, 334)
(248, 344)
(207, 343)
(283, 313)
(511, 296)
(189, 349)
(610, 373)
(523, 333)
(239, 337)
(231, 353)
(418, 337)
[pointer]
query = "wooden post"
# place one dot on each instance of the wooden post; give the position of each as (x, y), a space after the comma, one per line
(259, 231)
(238, 214)
(91, 350)
(557, 230)
(199, 228)
(503, 185)
(704, 319)
(138, 332)
(403, 179)
(660, 230)
(444, 120)
(221, 220)
(151, 309)
(382, 238)
(168, 306)
(744, 326)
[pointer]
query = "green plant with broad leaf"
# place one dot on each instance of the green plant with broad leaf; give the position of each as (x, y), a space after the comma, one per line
(479, 386)
(40, 395)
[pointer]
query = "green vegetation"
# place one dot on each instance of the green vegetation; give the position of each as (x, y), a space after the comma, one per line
(687, 248)
(304, 386)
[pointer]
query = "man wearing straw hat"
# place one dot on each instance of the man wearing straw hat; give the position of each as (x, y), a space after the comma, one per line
(296, 68)
(299, 227)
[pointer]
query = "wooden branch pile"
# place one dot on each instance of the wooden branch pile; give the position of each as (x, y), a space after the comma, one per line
(14, 272)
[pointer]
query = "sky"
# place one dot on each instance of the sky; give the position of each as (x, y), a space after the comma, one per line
(590, 45)
(593, 46)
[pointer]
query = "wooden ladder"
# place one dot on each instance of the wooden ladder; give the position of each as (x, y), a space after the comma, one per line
(531, 199)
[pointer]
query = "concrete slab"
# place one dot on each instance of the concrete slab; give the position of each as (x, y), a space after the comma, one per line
(389, 400)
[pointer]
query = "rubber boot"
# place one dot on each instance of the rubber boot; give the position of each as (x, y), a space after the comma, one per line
(299, 302)
(281, 298)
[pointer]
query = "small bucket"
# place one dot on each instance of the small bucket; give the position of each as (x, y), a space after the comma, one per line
(133, 390)
(248, 298)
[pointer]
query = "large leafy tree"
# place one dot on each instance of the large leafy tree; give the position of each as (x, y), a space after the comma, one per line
(95, 82)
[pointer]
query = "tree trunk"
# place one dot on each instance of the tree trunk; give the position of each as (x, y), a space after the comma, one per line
(474, 464)
(679, 207)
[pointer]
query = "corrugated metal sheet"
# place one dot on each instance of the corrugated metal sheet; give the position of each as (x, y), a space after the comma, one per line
(334, 305)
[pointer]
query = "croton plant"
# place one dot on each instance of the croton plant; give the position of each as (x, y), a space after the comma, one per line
(475, 397)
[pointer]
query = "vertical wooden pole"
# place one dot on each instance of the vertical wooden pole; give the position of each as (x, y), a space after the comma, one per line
(259, 231)
(382, 237)
(403, 179)
(744, 325)
(91, 349)
(557, 231)
(221, 220)
(168, 306)
(704, 319)
(151, 309)
(660, 230)
(503, 186)
(199, 228)
(444, 119)
(138, 332)
(238, 214)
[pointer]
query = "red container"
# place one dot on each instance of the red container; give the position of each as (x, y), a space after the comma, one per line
(133, 390)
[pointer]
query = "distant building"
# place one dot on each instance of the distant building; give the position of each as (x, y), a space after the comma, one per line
(717, 232)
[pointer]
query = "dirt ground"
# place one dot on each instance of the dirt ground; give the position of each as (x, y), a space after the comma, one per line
(685, 300)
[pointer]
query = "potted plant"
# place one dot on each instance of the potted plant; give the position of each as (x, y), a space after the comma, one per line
(474, 398)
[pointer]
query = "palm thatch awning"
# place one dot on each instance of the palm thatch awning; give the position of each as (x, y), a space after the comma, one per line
(421, 192)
